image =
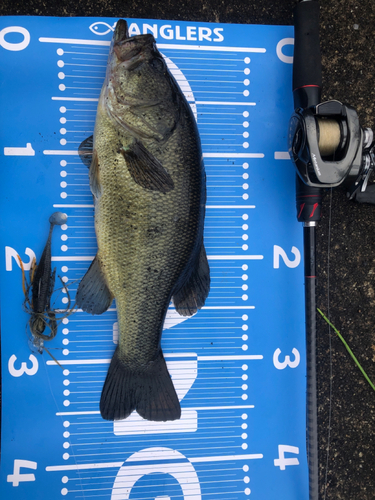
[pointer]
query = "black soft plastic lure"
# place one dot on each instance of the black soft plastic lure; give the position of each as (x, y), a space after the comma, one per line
(38, 291)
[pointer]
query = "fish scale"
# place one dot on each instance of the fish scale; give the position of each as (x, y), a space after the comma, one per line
(148, 181)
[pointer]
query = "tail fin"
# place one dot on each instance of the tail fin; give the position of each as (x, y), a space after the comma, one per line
(150, 392)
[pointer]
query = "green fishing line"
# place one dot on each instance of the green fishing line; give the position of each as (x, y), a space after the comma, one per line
(348, 349)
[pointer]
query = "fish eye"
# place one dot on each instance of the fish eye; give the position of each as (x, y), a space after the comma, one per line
(158, 64)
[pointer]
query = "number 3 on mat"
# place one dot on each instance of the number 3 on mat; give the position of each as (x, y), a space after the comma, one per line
(287, 362)
(18, 372)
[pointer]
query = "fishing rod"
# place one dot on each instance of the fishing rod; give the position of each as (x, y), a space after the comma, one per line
(329, 148)
(307, 84)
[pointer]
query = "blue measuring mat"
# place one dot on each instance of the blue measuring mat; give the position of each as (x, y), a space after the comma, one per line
(238, 365)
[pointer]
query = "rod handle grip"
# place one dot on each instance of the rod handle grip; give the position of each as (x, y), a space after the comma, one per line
(307, 63)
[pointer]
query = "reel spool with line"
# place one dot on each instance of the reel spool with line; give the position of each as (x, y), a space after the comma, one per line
(330, 136)
(329, 147)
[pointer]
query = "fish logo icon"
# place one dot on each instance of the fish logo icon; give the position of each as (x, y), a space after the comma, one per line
(101, 28)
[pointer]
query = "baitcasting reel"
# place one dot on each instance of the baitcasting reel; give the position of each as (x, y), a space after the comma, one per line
(329, 147)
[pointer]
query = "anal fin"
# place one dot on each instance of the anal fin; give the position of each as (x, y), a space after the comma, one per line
(192, 295)
(93, 295)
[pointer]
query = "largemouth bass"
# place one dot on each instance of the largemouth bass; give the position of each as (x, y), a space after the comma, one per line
(149, 186)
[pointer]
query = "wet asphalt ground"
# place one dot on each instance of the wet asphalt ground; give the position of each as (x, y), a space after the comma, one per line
(345, 235)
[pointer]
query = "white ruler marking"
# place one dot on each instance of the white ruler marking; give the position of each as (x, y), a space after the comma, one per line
(281, 155)
(202, 408)
(66, 152)
(228, 206)
(66, 362)
(82, 99)
(205, 155)
(209, 257)
(110, 465)
(235, 257)
(218, 48)
(233, 155)
(222, 103)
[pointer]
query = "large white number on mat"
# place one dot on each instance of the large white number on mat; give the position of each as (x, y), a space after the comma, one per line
(280, 252)
(281, 365)
(279, 50)
(16, 478)
(11, 253)
(282, 462)
(14, 46)
(183, 472)
(18, 372)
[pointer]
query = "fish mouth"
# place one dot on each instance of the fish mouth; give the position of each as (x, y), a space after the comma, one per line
(131, 50)
(121, 31)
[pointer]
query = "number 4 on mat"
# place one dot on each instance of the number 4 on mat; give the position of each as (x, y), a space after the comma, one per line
(282, 462)
(16, 478)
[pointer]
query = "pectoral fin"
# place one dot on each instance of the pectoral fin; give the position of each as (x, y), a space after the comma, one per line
(85, 150)
(146, 170)
(93, 294)
(95, 185)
